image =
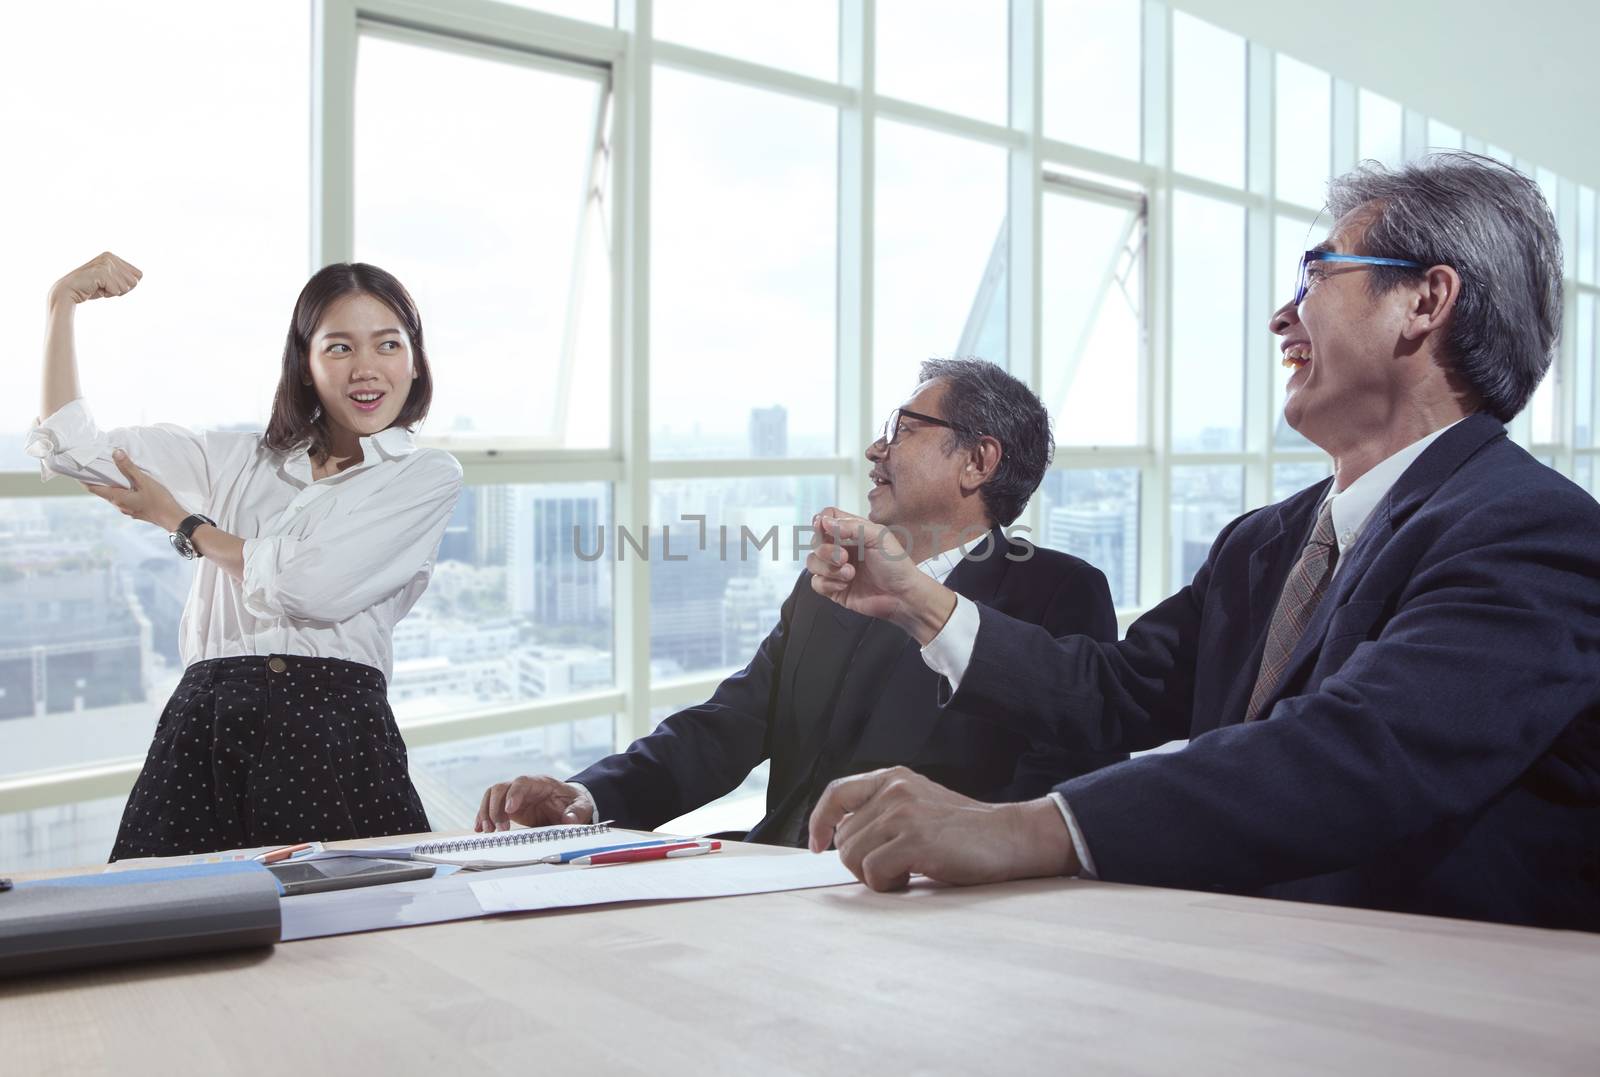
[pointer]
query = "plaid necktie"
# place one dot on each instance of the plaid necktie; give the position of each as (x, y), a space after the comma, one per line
(1301, 592)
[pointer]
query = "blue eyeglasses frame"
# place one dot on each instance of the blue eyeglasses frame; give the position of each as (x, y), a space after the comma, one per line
(1303, 278)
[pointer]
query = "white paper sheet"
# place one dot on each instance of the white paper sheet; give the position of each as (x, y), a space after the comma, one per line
(661, 880)
(375, 908)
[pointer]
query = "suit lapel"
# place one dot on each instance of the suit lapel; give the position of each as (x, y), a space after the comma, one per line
(1409, 492)
(1269, 566)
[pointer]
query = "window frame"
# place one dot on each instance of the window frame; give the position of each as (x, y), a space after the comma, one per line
(630, 53)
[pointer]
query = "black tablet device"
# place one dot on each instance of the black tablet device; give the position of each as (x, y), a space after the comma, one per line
(343, 872)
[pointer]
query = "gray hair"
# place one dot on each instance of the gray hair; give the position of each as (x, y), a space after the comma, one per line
(984, 399)
(1491, 225)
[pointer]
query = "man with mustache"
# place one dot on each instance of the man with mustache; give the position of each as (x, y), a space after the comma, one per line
(833, 692)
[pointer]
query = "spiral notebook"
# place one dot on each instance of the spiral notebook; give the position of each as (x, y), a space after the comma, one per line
(503, 849)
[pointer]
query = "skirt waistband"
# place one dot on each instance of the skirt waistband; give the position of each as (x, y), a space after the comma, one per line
(262, 666)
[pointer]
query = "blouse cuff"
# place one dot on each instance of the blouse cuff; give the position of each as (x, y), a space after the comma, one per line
(263, 561)
(69, 435)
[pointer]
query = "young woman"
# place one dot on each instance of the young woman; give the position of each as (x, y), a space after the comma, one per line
(314, 539)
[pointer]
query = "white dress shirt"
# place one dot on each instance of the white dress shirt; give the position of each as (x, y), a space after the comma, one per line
(939, 566)
(330, 564)
(950, 651)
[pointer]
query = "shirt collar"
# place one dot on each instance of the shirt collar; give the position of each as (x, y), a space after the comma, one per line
(388, 444)
(940, 565)
(1353, 505)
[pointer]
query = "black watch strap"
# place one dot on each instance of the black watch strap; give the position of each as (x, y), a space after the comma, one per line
(183, 538)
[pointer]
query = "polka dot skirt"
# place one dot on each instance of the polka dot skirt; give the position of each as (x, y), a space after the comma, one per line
(271, 750)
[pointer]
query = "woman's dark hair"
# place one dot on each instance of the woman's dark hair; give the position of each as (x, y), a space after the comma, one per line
(297, 418)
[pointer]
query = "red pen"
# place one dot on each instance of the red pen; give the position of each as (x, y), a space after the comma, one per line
(648, 852)
(272, 856)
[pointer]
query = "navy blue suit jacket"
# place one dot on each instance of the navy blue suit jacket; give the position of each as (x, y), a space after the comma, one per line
(831, 693)
(1434, 746)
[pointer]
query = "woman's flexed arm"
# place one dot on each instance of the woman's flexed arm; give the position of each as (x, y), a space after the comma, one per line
(67, 441)
(100, 277)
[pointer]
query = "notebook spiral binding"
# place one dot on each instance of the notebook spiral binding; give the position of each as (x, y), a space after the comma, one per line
(510, 837)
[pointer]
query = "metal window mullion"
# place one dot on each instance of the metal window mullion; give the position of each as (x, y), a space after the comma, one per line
(1097, 161)
(334, 42)
(1217, 192)
(1566, 368)
(759, 76)
(1156, 478)
(634, 131)
(1025, 213)
(750, 468)
(856, 246)
(950, 123)
(501, 25)
(1344, 153)
(115, 777)
(1262, 179)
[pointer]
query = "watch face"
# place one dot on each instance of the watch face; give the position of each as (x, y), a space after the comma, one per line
(181, 543)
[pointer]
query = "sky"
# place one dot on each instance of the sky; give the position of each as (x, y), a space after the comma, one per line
(176, 134)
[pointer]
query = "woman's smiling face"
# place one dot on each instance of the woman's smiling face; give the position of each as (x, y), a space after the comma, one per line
(361, 364)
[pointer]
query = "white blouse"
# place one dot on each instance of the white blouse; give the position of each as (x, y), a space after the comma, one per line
(330, 565)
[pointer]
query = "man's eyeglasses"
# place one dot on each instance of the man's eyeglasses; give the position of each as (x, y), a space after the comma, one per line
(1302, 282)
(891, 429)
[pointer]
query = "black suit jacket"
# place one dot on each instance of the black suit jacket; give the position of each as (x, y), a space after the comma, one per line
(832, 693)
(1434, 746)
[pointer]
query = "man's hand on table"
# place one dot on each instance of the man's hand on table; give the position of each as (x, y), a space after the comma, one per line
(891, 824)
(533, 801)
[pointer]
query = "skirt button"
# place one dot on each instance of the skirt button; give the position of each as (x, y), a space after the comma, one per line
(277, 665)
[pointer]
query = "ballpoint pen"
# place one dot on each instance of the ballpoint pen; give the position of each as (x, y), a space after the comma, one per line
(648, 852)
(272, 856)
(594, 850)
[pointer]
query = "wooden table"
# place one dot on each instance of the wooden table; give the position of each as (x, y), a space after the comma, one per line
(1032, 977)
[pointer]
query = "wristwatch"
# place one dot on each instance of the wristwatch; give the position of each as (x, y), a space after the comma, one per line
(183, 538)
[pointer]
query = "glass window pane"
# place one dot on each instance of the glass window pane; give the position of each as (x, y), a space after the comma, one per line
(1291, 239)
(713, 602)
(1586, 235)
(1207, 324)
(1549, 186)
(1093, 513)
(1093, 74)
(113, 148)
(1208, 101)
(480, 183)
(938, 291)
(520, 606)
(1304, 132)
(1583, 473)
(949, 54)
(451, 777)
(1542, 410)
(743, 275)
(1441, 136)
(1288, 479)
(778, 33)
(89, 608)
(61, 836)
(1588, 401)
(1204, 499)
(1382, 122)
(1091, 321)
